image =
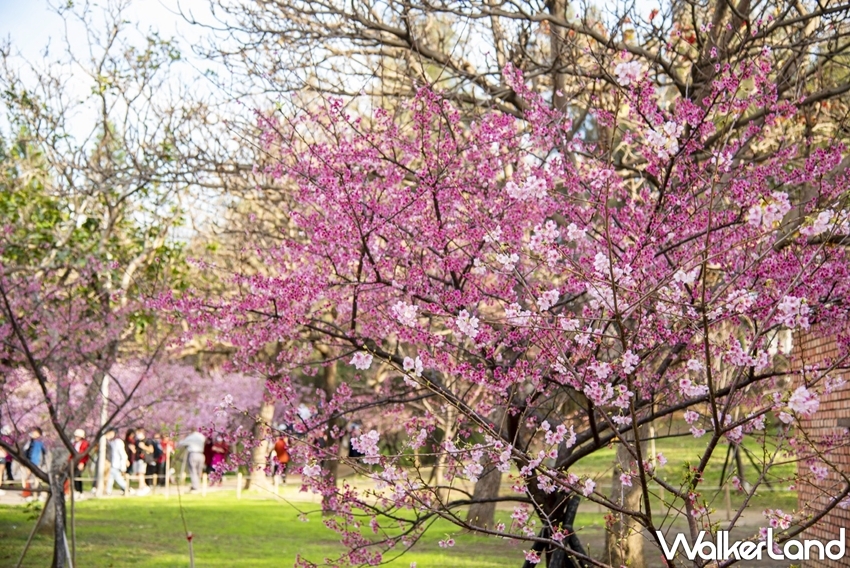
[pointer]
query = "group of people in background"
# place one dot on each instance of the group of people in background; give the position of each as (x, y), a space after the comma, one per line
(146, 457)
(136, 456)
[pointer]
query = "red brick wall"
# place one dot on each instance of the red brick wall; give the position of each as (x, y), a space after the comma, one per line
(831, 419)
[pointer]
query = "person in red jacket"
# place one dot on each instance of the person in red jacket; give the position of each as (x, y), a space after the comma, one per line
(81, 446)
(281, 451)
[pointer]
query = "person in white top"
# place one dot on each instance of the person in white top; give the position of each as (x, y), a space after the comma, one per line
(194, 444)
(118, 461)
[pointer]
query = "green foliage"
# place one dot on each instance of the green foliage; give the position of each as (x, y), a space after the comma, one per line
(57, 232)
(27, 213)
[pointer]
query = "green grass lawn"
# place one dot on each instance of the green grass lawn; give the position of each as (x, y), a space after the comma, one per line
(253, 532)
(258, 531)
(684, 450)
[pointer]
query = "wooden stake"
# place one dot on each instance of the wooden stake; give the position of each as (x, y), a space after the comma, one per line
(73, 552)
(238, 484)
(32, 534)
(204, 479)
(191, 551)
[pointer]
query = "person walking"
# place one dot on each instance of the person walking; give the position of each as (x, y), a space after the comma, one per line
(34, 452)
(194, 444)
(281, 451)
(5, 457)
(144, 453)
(208, 455)
(81, 446)
(152, 450)
(130, 446)
(160, 449)
(118, 461)
(220, 452)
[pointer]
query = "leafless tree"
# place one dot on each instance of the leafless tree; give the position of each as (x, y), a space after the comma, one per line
(116, 143)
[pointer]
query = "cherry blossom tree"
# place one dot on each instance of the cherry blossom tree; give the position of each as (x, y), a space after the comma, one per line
(96, 154)
(167, 396)
(515, 274)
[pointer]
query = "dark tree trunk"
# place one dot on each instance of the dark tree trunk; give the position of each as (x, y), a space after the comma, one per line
(57, 503)
(560, 509)
(482, 514)
(558, 8)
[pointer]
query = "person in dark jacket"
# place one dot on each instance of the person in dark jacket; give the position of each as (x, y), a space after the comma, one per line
(130, 446)
(145, 460)
(160, 447)
(208, 455)
(6, 461)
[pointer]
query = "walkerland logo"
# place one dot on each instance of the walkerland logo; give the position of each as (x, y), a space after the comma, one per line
(721, 549)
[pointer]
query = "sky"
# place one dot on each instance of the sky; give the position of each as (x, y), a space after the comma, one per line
(31, 24)
(37, 35)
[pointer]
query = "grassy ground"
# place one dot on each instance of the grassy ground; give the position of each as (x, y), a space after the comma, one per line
(253, 532)
(684, 450)
(260, 531)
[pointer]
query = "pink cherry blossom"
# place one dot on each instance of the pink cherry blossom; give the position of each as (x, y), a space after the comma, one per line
(405, 313)
(820, 225)
(665, 139)
(532, 188)
(361, 360)
(414, 365)
(778, 519)
(803, 401)
(630, 361)
(628, 72)
(697, 432)
(793, 312)
(368, 445)
(768, 213)
(548, 299)
(467, 324)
